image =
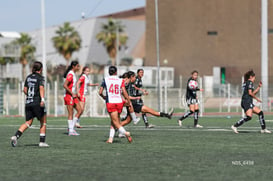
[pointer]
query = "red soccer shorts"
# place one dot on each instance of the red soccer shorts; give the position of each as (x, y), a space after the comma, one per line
(112, 107)
(68, 100)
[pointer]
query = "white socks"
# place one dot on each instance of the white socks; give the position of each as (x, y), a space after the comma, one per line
(71, 124)
(112, 132)
(133, 116)
(121, 130)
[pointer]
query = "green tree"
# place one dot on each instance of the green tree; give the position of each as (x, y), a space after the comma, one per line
(27, 51)
(108, 36)
(67, 41)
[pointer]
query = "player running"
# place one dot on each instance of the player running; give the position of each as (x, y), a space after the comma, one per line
(35, 104)
(139, 92)
(114, 87)
(192, 101)
(71, 99)
(247, 103)
(82, 90)
(138, 105)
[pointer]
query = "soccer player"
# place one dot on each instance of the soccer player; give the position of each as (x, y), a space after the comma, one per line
(35, 104)
(192, 101)
(139, 92)
(138, 105)
(82, 90)
(71, 99)
(129, 107)
(247, 103)
(114, 87)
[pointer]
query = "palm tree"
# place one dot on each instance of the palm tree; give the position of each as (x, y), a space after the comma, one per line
(67, 41)
(27, 51)
(108, 36)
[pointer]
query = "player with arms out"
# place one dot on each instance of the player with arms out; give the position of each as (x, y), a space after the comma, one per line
(71, 99)
(114, 87)
(35, 104)
(192, 101)
(247, 103)
(82, 90)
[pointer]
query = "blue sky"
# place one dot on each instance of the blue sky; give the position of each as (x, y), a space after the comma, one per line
(25, 15)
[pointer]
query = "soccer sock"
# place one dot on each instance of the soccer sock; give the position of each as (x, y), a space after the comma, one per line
(133, 116)
(196, 112)
(241, 121)
(112, 132)
(42, 137)
(185, 115)
(18, 134)
(145, 119)
(121, 130)
(162, 114)
(261, 119)
(70, 125)
(74, 121)
(78, 121)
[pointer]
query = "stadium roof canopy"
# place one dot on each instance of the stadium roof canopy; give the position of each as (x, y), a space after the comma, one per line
(10, 34)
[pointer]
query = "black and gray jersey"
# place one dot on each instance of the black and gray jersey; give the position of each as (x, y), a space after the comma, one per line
(138, 84)
(191, 93)
(33, 83)
(133, 93)
(248, 85)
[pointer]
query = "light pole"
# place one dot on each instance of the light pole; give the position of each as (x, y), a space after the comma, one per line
(43, 40)
(157, 56)
(264, 53)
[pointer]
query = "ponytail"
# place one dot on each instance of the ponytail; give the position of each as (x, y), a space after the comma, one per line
(73, 64)
(248, 74)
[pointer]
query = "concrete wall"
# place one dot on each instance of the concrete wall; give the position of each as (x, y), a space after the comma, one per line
(185, 42)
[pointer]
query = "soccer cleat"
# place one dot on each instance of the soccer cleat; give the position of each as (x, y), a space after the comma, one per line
(198, 126)
(110, 140)
(136, 121)
(73, 133)
(13, 141)
(43, 144)
(170, 114)
(78, 125)
(234, 129)
(128, 136)
(179, 123)
(121, 135)
(265, 131)
(150, 126)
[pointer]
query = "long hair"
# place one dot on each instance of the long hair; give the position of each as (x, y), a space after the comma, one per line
(131, 74)
(84, 68)
(248, 74)
(37, 66)
(73, 64)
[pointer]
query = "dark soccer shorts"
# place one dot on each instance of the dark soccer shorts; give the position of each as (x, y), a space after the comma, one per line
(34, 111)
(137, 107)
(192, 101)
(247, 105)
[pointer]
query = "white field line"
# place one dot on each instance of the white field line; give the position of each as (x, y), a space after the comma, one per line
(142, 128)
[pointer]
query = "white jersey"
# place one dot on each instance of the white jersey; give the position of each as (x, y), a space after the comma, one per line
(72, 80)
(84, 84)
(113, 85)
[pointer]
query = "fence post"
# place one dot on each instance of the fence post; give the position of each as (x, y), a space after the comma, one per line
(48, 98)
(166, 93)
(22, 98)
(228, 97)
(1, 97)
(8, 96)
(201, 97)
(55, 98)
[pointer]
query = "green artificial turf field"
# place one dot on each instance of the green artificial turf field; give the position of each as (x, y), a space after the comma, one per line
(166, 152)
